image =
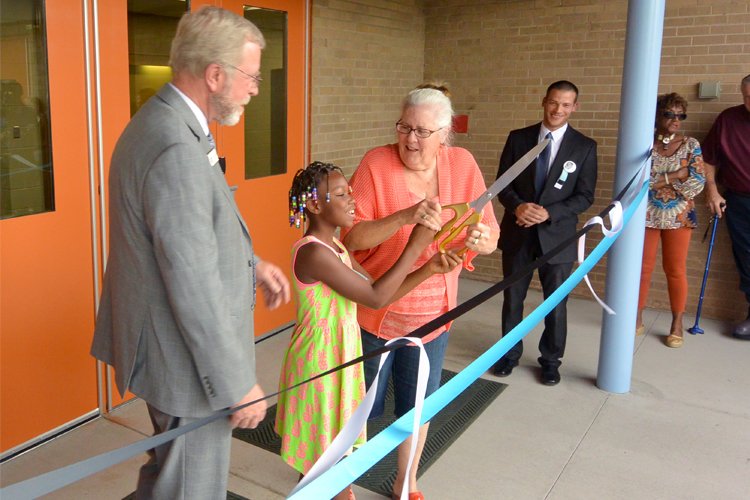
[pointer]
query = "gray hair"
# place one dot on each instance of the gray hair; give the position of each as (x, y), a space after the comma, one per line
(745, 81)
(211, 35)
(439, 104)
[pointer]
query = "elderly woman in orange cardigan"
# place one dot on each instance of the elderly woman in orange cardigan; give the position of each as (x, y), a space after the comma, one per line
(397, 186)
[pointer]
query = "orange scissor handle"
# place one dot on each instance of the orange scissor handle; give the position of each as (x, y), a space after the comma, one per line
(459, 210)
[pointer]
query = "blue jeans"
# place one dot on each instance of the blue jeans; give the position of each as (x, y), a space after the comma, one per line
(403, 363)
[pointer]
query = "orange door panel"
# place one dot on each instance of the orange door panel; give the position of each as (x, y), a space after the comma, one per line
(47, 298)
(263, 202)
(115, 105)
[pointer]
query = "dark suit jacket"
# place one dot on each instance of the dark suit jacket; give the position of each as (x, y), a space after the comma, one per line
(176, 312)
(563, 205)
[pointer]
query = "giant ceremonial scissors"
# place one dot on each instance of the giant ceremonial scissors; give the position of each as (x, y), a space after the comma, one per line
(460, 209)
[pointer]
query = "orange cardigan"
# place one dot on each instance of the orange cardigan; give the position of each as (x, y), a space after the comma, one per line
(380, 190)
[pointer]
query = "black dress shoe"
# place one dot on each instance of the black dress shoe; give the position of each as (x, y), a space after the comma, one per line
(550, 375)
(504, 367)
(742, 330)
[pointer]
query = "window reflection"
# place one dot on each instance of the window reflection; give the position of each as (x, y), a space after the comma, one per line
(151, 27)
(265, 122)
(26, 185)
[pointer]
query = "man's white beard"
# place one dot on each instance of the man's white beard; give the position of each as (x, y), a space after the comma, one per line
(228, 112)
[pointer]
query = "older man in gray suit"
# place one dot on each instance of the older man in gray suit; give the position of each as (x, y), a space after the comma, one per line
(175, 318)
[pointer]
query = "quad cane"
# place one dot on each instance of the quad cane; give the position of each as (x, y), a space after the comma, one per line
(714, 221)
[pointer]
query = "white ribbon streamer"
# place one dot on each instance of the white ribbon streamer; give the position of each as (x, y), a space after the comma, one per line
(616, 221)
(353, 427)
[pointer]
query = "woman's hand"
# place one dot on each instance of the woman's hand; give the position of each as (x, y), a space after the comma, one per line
(425, 213)
(442, 263)
(683, 174)
(481, 239)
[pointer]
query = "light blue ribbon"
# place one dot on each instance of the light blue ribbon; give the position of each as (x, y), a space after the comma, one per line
(347, 471)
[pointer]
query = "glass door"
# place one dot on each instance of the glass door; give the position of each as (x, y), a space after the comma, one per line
(268, 146)
(47, 291)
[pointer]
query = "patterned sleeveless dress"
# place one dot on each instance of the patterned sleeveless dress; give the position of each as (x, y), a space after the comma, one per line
(327, 334)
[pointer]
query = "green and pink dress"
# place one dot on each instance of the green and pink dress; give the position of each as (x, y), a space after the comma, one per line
(326, 335)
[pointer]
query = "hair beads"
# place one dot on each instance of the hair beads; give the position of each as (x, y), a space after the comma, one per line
(291, 209)
(304, 189)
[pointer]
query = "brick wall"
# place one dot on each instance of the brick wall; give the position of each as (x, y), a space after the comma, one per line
(499, 56)
(366, 55)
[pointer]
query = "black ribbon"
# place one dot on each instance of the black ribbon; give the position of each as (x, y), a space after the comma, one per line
(51, 481)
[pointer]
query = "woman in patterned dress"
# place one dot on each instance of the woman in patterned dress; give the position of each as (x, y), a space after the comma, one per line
(327, 286)
(677, 176)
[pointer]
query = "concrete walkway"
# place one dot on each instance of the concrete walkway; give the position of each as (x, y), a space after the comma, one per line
(683, 431)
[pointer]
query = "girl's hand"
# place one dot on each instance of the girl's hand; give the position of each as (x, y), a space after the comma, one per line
(425, 213)
(442, 263)
(421, 237)
(481, 239)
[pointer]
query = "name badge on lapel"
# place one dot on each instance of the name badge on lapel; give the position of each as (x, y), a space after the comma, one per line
(213, 157)
(568, 168)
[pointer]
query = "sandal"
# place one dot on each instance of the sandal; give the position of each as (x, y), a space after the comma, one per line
(640, 330)
(412, 496)
(674, 341)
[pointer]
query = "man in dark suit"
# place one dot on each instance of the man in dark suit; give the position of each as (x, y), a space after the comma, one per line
(176, 313)
(541, 210)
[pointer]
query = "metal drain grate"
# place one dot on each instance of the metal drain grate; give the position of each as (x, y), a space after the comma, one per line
(445, 428)
(230, 496)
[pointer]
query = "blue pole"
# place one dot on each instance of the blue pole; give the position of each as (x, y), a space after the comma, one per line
(640, 82)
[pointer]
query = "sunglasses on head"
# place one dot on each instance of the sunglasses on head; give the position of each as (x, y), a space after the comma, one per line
(670, 115)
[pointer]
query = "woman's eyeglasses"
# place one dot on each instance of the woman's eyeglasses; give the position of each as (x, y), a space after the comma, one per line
(670, 116)
(422, 133)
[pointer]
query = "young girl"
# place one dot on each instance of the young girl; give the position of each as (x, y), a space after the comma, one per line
(327, 286)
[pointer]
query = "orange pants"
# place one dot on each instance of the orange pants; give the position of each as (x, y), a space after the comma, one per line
(674, 250)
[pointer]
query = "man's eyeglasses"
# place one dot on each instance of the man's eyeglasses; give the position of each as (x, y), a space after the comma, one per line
(257, 79)
(670, 115)
(422, 133)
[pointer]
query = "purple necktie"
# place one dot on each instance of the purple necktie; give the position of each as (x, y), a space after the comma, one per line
(542, 164)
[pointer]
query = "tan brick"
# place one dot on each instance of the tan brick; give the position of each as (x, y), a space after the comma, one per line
(499, 57)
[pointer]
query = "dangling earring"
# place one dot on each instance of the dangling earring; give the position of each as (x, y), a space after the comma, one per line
(351, 191)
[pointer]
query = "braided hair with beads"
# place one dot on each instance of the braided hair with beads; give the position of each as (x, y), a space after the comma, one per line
(304, 188)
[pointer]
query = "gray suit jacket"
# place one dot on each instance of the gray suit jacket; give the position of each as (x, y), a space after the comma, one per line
(175, 318)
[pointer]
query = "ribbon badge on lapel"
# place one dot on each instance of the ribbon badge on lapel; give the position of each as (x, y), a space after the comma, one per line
(568, 168)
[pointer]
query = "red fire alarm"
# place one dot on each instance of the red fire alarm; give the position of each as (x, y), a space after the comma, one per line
(461, 124)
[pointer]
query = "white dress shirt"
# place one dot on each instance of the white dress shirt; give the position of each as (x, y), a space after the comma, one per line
(196, 110)
(557, 136)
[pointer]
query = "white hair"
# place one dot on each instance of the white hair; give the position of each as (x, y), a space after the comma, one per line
(438, 103)
(211, 35)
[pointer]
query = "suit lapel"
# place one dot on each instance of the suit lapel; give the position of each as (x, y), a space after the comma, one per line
(532, 139)
(171, 97)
